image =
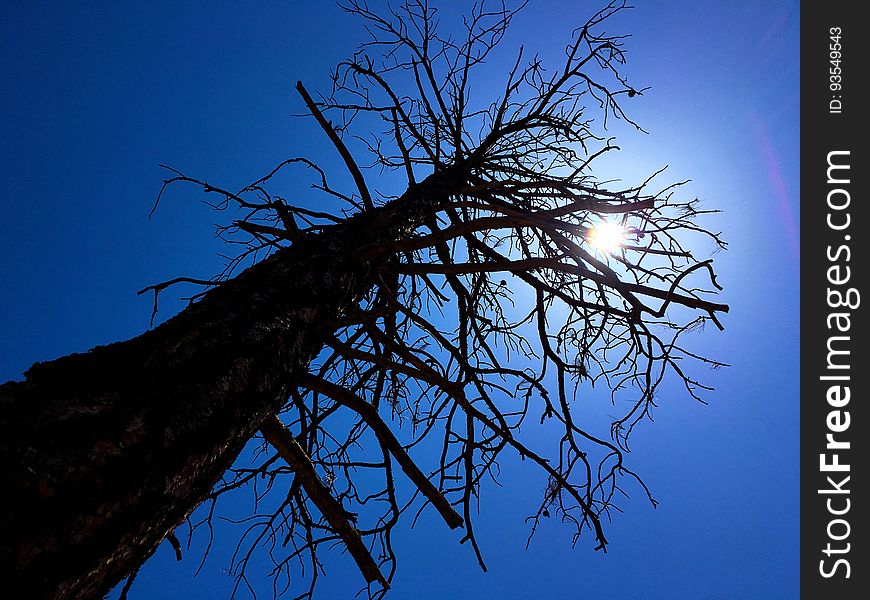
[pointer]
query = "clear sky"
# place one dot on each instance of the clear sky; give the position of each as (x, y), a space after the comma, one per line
(95, 95)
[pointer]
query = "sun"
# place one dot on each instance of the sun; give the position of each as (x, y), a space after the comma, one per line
(607, 236)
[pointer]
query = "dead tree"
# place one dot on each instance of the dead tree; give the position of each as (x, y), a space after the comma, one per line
(444, 317)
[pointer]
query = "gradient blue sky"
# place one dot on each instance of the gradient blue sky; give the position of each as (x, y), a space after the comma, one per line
(95, 95)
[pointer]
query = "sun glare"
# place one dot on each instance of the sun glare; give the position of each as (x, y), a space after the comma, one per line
(607, 236)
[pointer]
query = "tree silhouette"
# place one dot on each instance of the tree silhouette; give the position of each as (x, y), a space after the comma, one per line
(443, 319)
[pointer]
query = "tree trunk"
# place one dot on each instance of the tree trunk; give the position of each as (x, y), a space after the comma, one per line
(106, 452)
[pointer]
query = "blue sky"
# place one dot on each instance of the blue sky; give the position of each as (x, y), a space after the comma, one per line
(96, 95)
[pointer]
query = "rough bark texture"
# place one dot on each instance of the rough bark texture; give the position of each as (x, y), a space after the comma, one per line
(106, 452)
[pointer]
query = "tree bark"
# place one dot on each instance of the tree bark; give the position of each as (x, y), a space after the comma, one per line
(105, 453)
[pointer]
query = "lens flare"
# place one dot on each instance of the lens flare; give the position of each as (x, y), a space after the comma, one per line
(607, 236)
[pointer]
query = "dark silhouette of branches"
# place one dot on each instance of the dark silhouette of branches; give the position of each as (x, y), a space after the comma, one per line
(494, 293)
(486, 303)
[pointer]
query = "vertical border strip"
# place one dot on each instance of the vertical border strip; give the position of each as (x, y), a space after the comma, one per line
(834, 247)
